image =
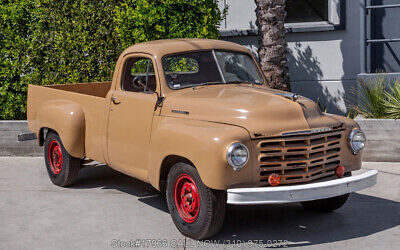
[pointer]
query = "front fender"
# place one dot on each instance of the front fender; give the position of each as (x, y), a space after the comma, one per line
(204, 144)
(350, 161)
(68, 120)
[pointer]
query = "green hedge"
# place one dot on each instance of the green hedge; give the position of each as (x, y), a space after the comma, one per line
(53, 42)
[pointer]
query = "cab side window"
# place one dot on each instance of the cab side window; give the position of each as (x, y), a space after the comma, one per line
(139, 75)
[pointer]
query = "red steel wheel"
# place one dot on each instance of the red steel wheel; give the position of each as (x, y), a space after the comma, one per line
(55, 157)
(186, 197)
(62, 167)
(197, 211)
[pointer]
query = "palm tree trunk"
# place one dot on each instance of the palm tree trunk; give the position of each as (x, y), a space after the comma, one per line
(271, 16)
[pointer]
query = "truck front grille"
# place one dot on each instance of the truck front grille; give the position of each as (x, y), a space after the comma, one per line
(300, 158)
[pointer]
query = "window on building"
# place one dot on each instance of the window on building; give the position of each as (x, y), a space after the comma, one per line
(302, 16)
(299, 11)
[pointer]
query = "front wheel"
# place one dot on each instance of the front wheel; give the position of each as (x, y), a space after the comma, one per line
(62, 168)
(197, 211)
(326, 205)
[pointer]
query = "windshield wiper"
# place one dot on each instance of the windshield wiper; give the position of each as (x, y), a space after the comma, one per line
(205, 83)
(194, 86)
(246, 82)
(212, 83)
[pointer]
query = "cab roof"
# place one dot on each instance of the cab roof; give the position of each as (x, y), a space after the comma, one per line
(159, 48)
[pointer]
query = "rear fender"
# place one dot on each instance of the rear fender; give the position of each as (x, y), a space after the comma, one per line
(68, 120)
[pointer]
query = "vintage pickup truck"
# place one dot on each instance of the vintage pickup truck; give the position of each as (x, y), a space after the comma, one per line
(195, 118)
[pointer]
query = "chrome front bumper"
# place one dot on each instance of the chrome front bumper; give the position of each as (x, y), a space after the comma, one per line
(305, 192)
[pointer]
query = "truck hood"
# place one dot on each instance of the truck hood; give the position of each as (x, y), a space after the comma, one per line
(264, 112)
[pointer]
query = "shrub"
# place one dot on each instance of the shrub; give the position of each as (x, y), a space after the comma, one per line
(392, 102)
(54, 42)
(73, 41)
(15, 20)
(145, 20)
(378, 101)
(371, 103)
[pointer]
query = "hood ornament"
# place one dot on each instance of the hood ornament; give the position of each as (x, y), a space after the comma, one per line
(291, 96)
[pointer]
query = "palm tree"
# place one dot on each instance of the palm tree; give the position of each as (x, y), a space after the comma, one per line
(271, 16)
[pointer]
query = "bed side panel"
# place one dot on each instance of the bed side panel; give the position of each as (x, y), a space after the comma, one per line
(92, 108)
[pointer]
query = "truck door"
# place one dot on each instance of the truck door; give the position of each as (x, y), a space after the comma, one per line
(131, 115)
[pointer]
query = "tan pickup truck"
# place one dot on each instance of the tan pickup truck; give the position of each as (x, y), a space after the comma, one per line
(195, 118)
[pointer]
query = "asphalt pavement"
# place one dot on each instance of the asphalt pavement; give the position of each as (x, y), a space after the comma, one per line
(108, 210)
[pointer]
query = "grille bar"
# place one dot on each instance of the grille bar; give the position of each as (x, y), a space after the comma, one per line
(301, 158)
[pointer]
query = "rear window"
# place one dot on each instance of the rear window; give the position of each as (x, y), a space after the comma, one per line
(180, 64)
(189, 69)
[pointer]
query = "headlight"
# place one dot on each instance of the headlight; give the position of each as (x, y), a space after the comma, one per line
(237, 155)
(357, 141)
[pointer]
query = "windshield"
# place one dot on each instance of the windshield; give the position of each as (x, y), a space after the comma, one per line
(210, 67)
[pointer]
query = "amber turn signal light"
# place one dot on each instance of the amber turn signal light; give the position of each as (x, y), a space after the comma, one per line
(274, 179)
(339, 171)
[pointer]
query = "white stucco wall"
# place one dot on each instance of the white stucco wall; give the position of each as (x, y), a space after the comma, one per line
(322, 65)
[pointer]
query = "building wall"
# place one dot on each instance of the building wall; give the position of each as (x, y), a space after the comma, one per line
(322, 65)
(385, 23)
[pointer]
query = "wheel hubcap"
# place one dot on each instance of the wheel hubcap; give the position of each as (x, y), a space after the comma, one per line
(187, 199)
(55, 157)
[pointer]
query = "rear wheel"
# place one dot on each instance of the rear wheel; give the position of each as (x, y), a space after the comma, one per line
(326, 205)
(197, 211)
(62, 168)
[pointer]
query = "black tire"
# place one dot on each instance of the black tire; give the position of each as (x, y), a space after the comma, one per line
(326, 205)
(65, 173)
(211, 210)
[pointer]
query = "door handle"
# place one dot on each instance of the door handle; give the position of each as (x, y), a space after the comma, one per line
(114, 100)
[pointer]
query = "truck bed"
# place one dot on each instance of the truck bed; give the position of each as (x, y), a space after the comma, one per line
(98, 89)
(89, 96)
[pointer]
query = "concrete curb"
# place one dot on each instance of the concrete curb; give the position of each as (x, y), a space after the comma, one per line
(383, 139)
(13, 125)
(9, 146)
